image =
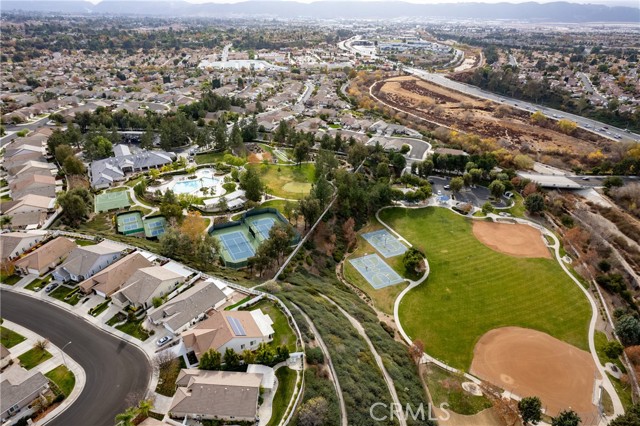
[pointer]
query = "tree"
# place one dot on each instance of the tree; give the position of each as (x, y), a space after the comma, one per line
(147, 138)
(534, 203)
(523, 162)
(231, 359)
(310, 209)
(538, 117)
(210, 360)
(248, 357)
(628, 330)
(236, 136)
(313, 412)
(62, 152)
(222, 205)
(41, 344)
(630, 418)
(530, 409)
(154, 174)
(349, 233)
(356, 154)
(613, 349)
(416, 350)
(496, 188)
(220, 136)
(73, 166)
(566, 418)
(322, 191)
(412, 259)
(612, 181)
(252, 184)
(487, 208)
(97, 147)
(567, 126)
(193, 226)
(127, 418)
(145, 406)
(301, 151)
(456, 184)
(75, 205)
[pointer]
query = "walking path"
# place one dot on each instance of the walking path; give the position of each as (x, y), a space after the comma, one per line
(58, 358)
(332, 371)
(605, 382)
(387, 378)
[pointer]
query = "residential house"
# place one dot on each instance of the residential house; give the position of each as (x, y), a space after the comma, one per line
(114, 276)
(35, 184)
(28, 203)
(188, 307)
(45, 258)
(13, 244)
(225, 395)
(105, 172)
(31, 167)
(145, 285)
(238, 330)
(19, 391)
(86, 261)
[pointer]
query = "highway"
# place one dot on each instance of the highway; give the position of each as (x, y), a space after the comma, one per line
(115, 369)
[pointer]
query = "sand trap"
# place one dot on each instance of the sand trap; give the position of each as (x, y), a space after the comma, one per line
(513, 239)
(530, 363)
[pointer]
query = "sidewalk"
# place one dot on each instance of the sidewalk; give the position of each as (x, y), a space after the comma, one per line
(58, 358)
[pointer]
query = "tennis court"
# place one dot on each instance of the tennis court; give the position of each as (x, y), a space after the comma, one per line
(130, 223)
(376, 271)
(263, 226)
(385, 243)
(112, 201)
(236, 245)
(154, 226)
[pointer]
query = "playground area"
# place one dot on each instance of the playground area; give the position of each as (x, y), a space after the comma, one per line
(113, 200)
(385, 243)
(530, 363)
(511, 239)
(376, 271)
(130, 223)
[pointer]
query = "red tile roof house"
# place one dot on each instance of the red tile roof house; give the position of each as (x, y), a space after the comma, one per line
(224, 395)
(45, 258)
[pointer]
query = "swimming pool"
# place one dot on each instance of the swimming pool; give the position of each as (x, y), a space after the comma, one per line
(192, 185)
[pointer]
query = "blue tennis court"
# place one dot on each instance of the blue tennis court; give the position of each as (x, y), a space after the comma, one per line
(263, 226)
(237, 245)
(385, 243)
(376, 271)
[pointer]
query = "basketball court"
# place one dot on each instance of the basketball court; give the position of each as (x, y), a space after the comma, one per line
(376, 271)
(385, 243)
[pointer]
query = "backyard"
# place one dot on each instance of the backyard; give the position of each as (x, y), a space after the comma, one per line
(283, 335)
(473, 289)
(287, 181)
(286, 387)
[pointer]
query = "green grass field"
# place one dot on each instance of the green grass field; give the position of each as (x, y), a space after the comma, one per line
(286, 387)
(33, 357)
(473, 289)
(287, 181)
(10, 338)
(63, 378)
(283, 335)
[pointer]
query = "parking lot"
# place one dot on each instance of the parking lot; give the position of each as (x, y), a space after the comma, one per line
(475, 196)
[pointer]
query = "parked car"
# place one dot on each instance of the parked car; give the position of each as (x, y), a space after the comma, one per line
(163, 340)
(447, 187)
(51, 287)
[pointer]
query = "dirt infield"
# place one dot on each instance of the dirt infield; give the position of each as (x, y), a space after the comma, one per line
(530, 363)
(513, 239)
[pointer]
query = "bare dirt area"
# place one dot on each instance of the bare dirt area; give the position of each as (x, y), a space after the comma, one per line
(512, 239)
(530, 363)
(511, 128)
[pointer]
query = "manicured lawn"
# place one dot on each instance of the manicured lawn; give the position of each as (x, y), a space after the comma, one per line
(275, 204)
(210, 157)
(85, 243)
(473, 289)
(10, 280)
(284, 335)
(38, 284)
(238, 303)
(98, 309)
(10, 338)
(62, 292)
(518, 208)
(145, 211)
(287, 181)
(446, 387)
(286, 387)
(33, 357)
(63, 378)
(623, 389)
(134, 182)
(134, 328)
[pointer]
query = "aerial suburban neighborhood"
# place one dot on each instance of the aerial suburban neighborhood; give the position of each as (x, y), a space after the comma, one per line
(319, 213)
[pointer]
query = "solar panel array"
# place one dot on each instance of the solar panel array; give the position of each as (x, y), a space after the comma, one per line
(236, 326)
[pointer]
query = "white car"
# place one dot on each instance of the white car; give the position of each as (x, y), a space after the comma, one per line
(163, 340)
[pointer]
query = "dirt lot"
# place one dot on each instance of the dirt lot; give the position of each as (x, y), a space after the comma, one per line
(530, 363)
(510, 127)
(513, 239)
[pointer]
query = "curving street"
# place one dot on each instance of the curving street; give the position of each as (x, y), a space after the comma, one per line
(115, 370)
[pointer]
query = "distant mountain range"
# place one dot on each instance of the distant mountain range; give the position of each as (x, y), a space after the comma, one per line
(533, 12)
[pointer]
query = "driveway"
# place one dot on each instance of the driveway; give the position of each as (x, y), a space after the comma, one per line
(115, 370)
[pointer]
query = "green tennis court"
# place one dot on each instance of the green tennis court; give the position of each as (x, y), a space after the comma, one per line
(130, 223)
(111, 201)
(154, 226)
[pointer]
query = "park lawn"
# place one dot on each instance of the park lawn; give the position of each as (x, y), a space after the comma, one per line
(287, 181)
(210, 157)
(10, 338)
(284, 392)
(275, 204)
(135, 181)
(63, 378)
(518, 208)
(473, 289)
(9, 279)
(33, 357)
(283, 334)
(622, 389)
(446, 387)
(383, 298)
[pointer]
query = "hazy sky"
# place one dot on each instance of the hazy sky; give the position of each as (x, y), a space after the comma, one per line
(607, 2)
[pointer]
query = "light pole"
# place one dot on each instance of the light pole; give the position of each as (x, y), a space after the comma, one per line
(64, 361)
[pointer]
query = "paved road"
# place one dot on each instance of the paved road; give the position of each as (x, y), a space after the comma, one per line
(114, 369)
(13, 128)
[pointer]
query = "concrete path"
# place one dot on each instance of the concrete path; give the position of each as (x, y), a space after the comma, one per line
(332, 371)
(58, 358)
(387, 378)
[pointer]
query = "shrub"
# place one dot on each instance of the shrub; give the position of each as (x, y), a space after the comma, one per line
(314, 356)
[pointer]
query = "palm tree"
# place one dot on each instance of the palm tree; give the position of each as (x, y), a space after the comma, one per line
(127, 418)
(145, 406)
